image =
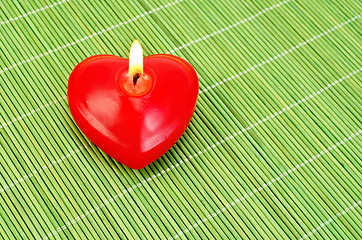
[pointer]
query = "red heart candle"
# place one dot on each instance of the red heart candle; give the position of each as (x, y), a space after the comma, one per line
(133, 110)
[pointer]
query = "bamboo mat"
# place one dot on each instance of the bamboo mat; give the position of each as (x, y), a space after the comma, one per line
(273, 150)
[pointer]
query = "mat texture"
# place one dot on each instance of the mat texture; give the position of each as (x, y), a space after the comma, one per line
(273, 150)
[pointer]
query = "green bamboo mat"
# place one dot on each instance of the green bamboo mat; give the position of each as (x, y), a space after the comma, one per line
(273, 150)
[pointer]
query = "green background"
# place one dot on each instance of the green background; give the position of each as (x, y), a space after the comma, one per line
(273, 150)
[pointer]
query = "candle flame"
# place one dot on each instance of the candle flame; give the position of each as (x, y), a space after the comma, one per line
(135, 60)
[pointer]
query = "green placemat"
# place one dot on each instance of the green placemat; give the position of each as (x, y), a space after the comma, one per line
(273, 150)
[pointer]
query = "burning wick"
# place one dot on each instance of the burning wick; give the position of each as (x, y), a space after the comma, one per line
(136, 77)
(136, 82)
(135, 69)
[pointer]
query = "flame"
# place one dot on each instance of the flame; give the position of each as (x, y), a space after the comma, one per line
(135, 59)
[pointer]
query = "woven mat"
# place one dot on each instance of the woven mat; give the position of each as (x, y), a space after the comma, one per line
(273, 150)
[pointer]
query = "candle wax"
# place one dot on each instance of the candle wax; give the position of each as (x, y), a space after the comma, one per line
(133, 123)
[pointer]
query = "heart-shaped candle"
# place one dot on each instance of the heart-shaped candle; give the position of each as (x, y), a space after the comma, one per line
(134, 110)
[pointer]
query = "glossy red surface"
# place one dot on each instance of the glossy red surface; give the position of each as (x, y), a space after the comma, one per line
(134, 130)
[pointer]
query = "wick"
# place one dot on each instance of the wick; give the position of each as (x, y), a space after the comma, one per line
(135, 78)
